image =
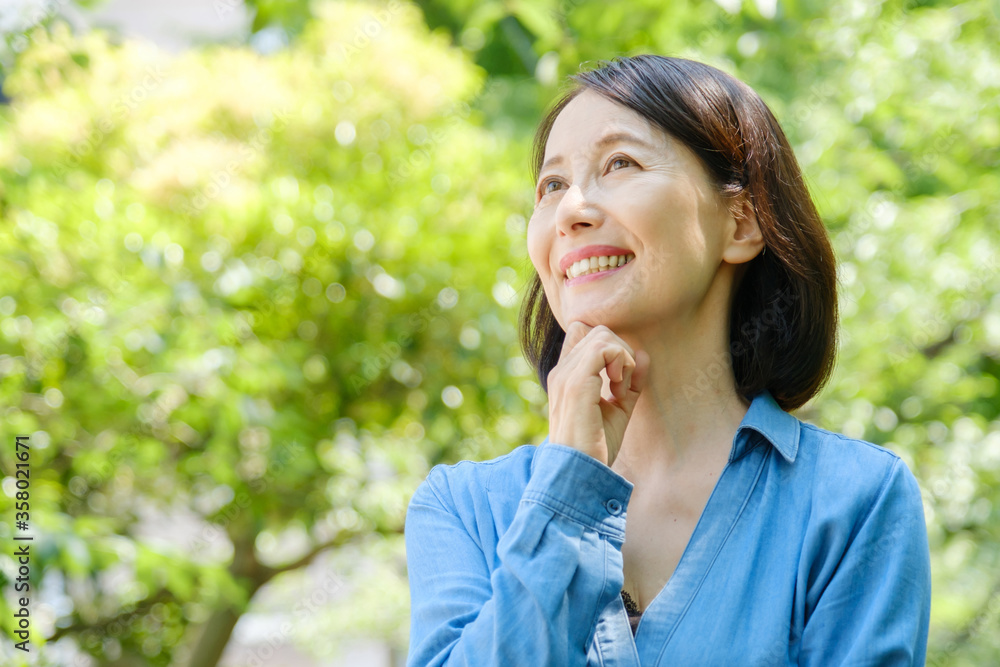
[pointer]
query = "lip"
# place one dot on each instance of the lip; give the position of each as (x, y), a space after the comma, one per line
(590, 251)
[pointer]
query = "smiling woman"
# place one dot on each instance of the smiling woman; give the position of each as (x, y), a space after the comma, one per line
(676, 513)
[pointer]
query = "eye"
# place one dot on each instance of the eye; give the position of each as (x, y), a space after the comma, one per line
(543, 188)
(618, 159)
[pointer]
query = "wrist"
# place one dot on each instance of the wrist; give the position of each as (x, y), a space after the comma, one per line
(568, 440)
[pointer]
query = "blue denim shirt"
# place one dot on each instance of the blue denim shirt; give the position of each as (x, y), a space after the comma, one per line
(811, 550)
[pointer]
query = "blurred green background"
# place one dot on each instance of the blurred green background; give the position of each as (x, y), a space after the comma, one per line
(252, 289)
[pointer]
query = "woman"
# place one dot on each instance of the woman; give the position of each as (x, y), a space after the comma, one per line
(676, 514)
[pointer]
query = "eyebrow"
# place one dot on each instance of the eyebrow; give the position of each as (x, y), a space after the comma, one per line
(614, 137)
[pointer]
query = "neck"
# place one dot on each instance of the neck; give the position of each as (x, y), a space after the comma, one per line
(686, 416)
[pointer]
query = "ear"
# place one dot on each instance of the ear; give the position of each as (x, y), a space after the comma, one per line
(744, 240)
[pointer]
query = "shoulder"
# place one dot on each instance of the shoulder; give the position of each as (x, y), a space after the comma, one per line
(465, 482)
(854, 476)
(813, 463)
(829, 446)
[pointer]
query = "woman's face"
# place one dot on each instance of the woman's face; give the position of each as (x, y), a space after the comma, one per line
(613, 184)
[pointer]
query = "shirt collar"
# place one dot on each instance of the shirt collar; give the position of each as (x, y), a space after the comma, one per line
(766, 417)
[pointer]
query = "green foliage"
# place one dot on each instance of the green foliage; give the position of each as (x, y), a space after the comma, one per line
(236, 290)
(266, 294)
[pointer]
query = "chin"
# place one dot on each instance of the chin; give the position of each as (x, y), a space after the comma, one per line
(594, 317)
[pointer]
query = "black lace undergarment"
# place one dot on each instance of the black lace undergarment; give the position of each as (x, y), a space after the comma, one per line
(634, 615)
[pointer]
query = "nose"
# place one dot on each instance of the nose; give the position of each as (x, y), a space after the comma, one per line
(576, 211)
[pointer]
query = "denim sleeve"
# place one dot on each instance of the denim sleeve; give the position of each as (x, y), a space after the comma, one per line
(557, 565)
(876, 608)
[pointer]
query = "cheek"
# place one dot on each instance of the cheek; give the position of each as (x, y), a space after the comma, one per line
(538, 250)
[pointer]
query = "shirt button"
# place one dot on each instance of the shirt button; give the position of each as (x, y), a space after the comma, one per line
(614, 507)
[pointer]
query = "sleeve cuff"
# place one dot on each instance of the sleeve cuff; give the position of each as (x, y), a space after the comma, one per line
(579, 487)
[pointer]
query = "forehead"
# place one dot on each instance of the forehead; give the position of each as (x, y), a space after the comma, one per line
(590, 116)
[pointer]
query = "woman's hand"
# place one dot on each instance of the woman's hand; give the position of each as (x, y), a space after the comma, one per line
(579, 415)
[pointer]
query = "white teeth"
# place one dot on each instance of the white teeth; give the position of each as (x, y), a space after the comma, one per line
(595, 264)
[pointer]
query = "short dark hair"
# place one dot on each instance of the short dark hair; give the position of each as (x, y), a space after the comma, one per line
(783, 322)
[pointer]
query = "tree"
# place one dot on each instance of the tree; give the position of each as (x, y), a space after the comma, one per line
(259, 293)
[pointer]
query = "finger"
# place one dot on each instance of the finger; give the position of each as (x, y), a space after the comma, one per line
(592, 358)
(575, 332)
(619, 390)
(627, 370)
(639, 374)
(637, 381)
(622, 387)
(616, 368)
(604, 332)
(619, 368)
(596, 351)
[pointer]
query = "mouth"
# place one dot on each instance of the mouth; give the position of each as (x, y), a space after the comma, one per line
(593, 268)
